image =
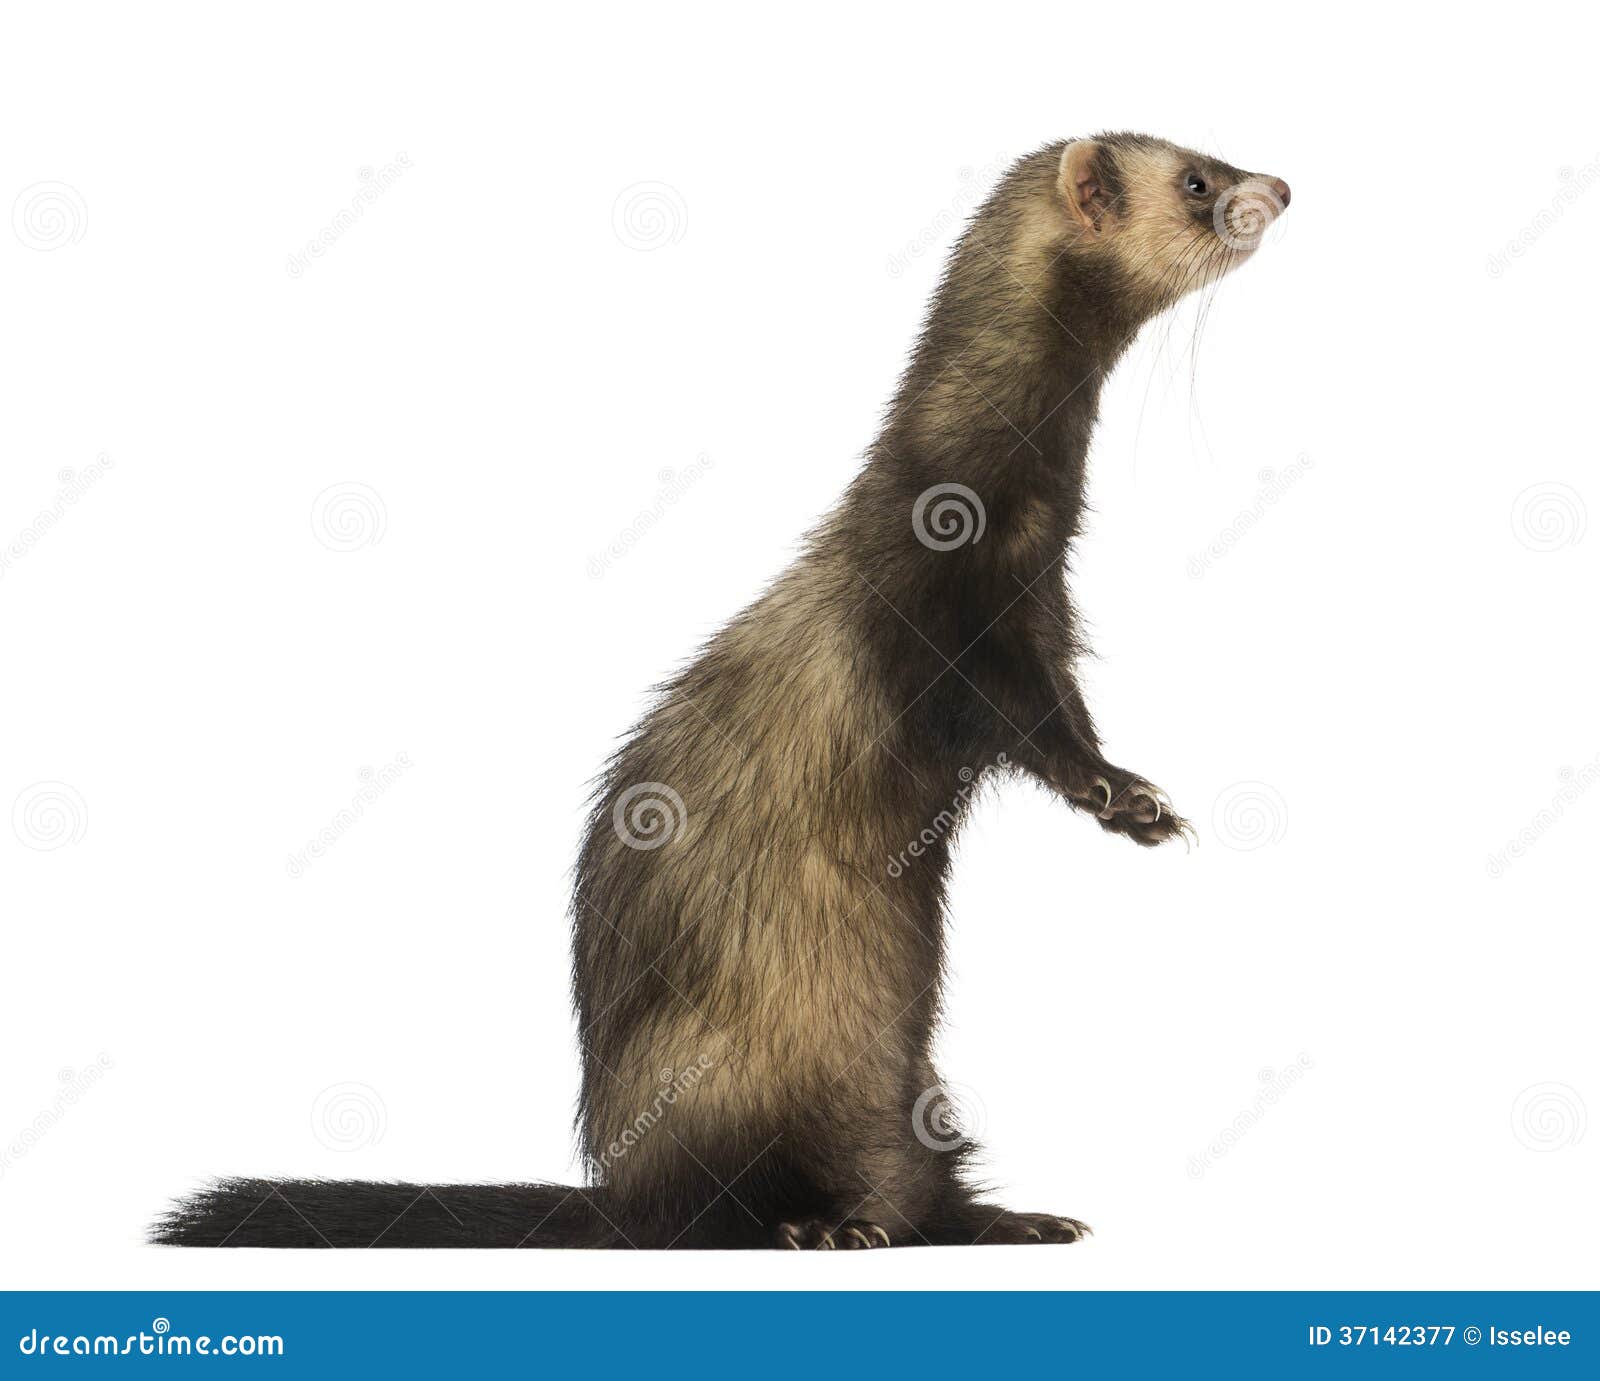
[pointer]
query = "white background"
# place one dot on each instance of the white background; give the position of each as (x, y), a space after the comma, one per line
(1371, 685)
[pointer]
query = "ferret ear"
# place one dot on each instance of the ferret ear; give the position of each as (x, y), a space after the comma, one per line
(1082, 185)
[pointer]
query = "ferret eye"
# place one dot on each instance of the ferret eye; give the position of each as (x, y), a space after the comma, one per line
(1195, 185)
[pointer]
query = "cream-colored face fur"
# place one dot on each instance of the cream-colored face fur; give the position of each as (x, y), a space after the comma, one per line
(1174, 219)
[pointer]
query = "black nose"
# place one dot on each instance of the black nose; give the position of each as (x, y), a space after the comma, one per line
(1281, 188)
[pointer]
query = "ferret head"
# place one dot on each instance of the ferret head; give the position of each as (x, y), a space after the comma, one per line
(1171, 219)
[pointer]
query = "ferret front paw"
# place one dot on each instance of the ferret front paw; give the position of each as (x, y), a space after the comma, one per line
(1127, 804)
(1032, 1227)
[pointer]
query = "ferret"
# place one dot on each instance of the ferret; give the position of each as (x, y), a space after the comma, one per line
(759, 899)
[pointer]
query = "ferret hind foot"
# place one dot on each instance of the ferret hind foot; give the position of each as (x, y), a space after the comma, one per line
(1031, 1227)
(813, 1234)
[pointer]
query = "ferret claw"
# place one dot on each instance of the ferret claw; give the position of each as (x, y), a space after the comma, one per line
(811, 1233)
(1154, 795)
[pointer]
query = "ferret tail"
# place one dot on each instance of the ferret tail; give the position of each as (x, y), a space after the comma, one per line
(370, 1213)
